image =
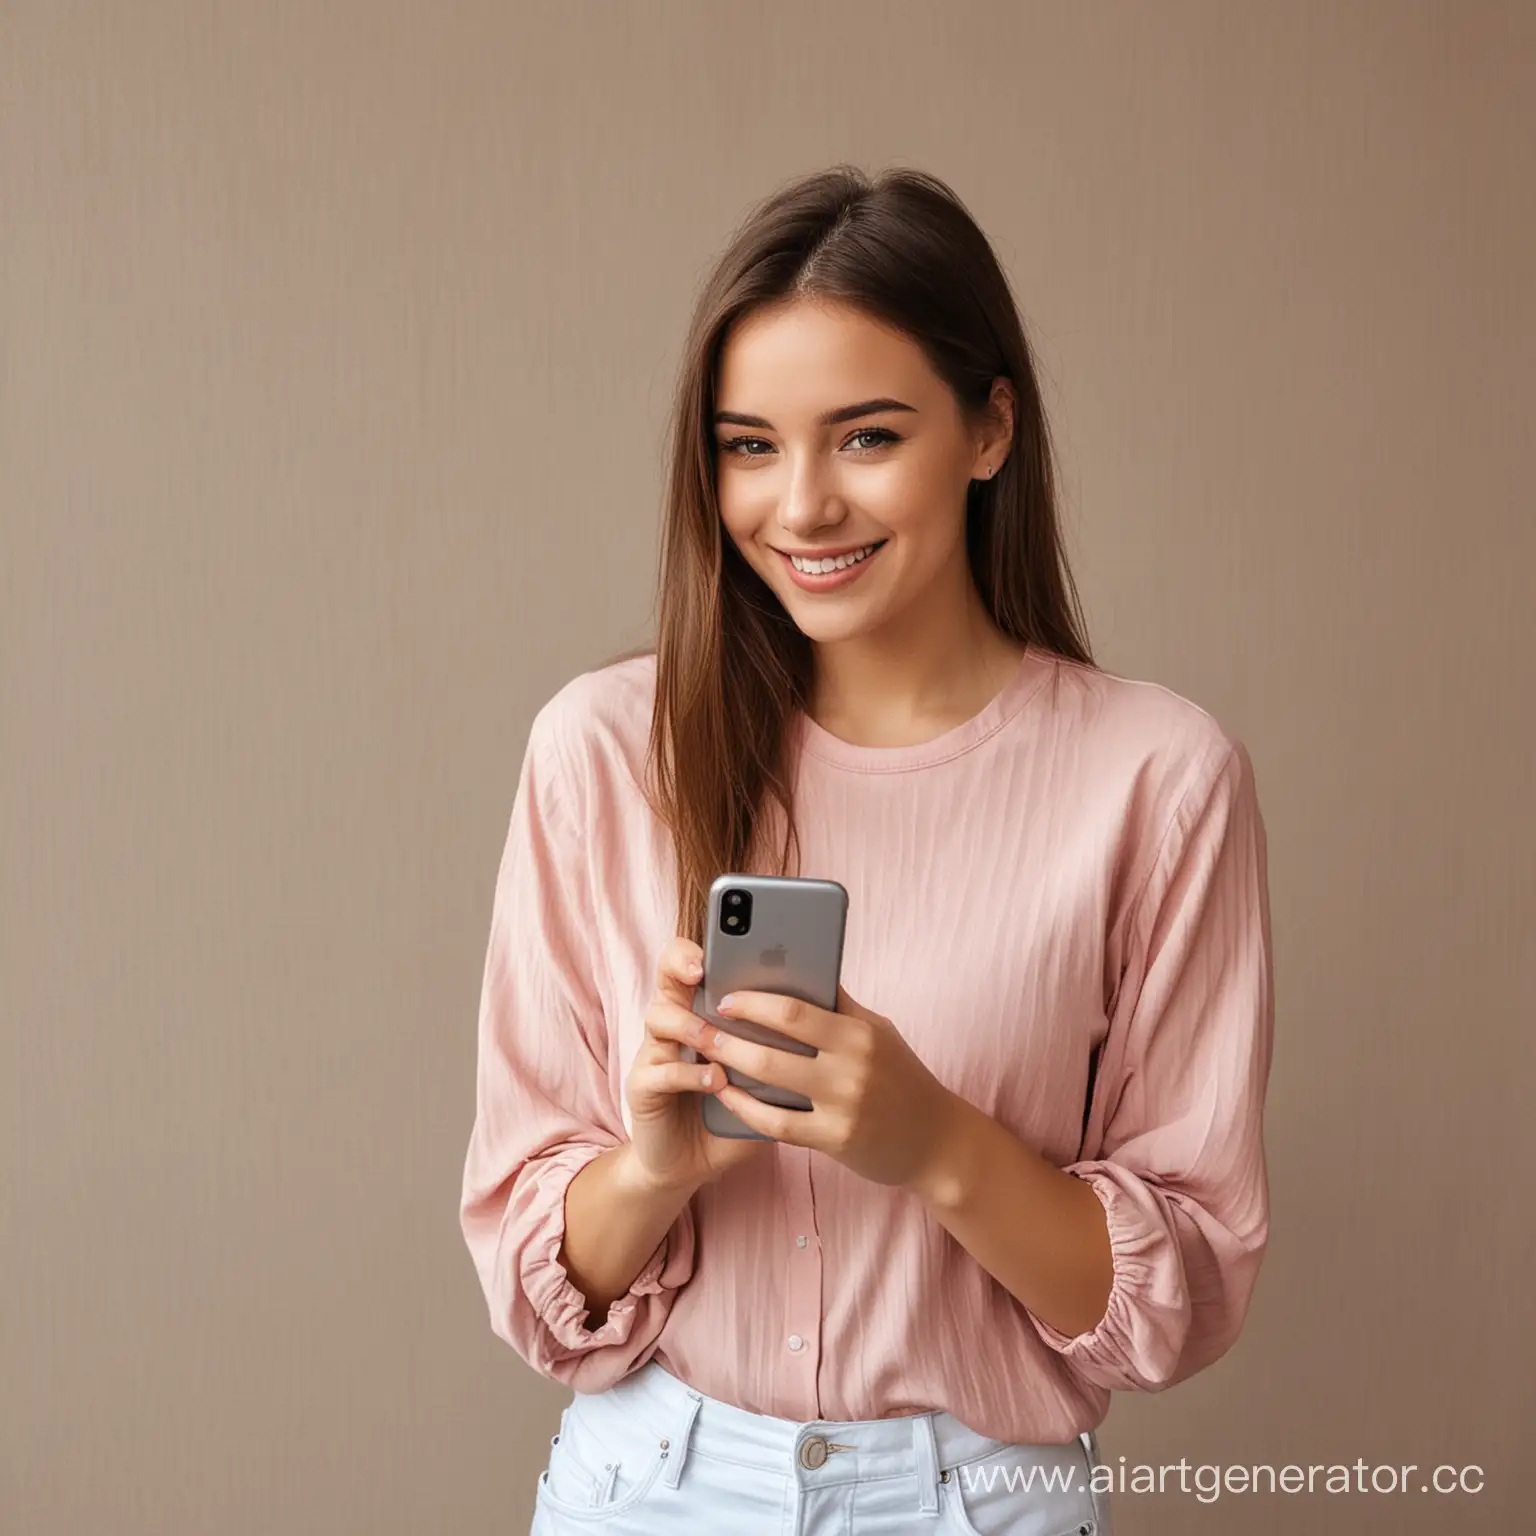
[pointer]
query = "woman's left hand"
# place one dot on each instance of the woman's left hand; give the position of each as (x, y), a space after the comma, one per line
(877, 1109)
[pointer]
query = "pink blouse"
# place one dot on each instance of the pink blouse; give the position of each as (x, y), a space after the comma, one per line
(1080, 867)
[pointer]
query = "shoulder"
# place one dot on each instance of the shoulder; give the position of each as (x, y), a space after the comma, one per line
(600, 719)
(1158, 769)
(1159, 745)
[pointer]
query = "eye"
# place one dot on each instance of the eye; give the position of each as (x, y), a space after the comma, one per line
(878, 437)
(881, 435)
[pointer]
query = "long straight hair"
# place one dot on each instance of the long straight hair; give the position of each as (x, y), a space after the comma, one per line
(732, 667)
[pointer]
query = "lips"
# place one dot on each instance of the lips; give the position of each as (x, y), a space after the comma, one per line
(833, 554)
(831, 580)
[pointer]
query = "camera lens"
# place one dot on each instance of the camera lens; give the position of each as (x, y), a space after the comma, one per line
(736, 912)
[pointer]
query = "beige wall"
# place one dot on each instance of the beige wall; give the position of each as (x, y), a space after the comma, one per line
(335, 345)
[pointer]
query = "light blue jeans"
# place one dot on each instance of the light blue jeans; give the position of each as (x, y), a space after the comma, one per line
(653, 1457)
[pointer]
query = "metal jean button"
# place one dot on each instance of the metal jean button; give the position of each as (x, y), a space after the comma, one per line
(813, 1452)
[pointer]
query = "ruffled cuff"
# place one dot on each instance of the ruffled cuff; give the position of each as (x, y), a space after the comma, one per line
(547, 1284)
(1137, 1343)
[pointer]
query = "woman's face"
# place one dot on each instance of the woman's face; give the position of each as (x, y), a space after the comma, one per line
(894, 474)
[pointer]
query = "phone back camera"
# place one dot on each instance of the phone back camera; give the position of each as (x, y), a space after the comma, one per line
(736, 912)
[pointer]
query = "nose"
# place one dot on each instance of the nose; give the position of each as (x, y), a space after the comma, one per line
(806, 502)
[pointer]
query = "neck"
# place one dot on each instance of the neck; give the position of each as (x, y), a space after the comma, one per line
(914, 680)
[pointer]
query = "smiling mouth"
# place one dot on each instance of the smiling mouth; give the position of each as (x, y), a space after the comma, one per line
(827, 565)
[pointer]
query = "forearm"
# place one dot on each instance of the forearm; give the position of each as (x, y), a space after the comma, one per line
(1041, 1233)
(615, 1218)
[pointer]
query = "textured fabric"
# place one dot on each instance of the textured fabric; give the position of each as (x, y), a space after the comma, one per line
(1079, 868)
(652, 1456)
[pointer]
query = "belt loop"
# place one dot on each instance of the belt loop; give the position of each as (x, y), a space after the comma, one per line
(675, 1447)
(1101, 1505)
(927, 1454)
(1090, 1439)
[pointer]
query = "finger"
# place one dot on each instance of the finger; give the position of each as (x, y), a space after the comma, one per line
(791, 1016)
(679, 970)
(671, 1022)
(767, 1063)
(679, 1077)
(791, 1126)
(850, 1009)
(677, 1027)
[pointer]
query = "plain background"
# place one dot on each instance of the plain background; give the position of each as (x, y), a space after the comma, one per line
(336, 344)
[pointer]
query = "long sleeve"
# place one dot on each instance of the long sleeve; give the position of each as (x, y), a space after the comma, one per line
(1180, 1168)
(545, 1104)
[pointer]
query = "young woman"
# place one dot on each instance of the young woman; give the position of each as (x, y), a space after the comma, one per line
(1034, 1171)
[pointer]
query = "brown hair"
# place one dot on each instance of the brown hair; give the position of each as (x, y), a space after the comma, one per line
(731, 665)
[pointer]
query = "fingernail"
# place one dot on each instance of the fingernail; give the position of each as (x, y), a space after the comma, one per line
(693, 970)
(727, 1002)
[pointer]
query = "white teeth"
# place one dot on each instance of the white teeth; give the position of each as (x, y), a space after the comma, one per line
(821, 567)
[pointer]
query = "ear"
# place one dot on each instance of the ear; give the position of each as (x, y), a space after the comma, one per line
(997, 440)
(1003, 405)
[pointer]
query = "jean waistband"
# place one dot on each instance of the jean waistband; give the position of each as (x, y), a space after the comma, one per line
(655, 1402)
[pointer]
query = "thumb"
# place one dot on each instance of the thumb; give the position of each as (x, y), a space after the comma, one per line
(846, 1004)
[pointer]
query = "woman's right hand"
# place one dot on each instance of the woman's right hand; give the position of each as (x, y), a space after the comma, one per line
(668, 1137)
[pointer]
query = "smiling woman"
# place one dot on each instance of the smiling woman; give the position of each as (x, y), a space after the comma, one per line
(1032, 1171)
(823, 485)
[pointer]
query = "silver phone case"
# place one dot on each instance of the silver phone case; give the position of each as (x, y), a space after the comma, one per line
(795, 948)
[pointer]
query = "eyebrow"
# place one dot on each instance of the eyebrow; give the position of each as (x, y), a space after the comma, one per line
(830, 419)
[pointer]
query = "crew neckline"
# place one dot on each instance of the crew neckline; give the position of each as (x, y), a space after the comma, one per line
(819, 742)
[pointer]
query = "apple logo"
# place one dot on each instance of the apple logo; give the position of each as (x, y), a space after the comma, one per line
(774, 956)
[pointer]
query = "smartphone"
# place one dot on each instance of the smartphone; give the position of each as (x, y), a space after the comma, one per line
(767, 933)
